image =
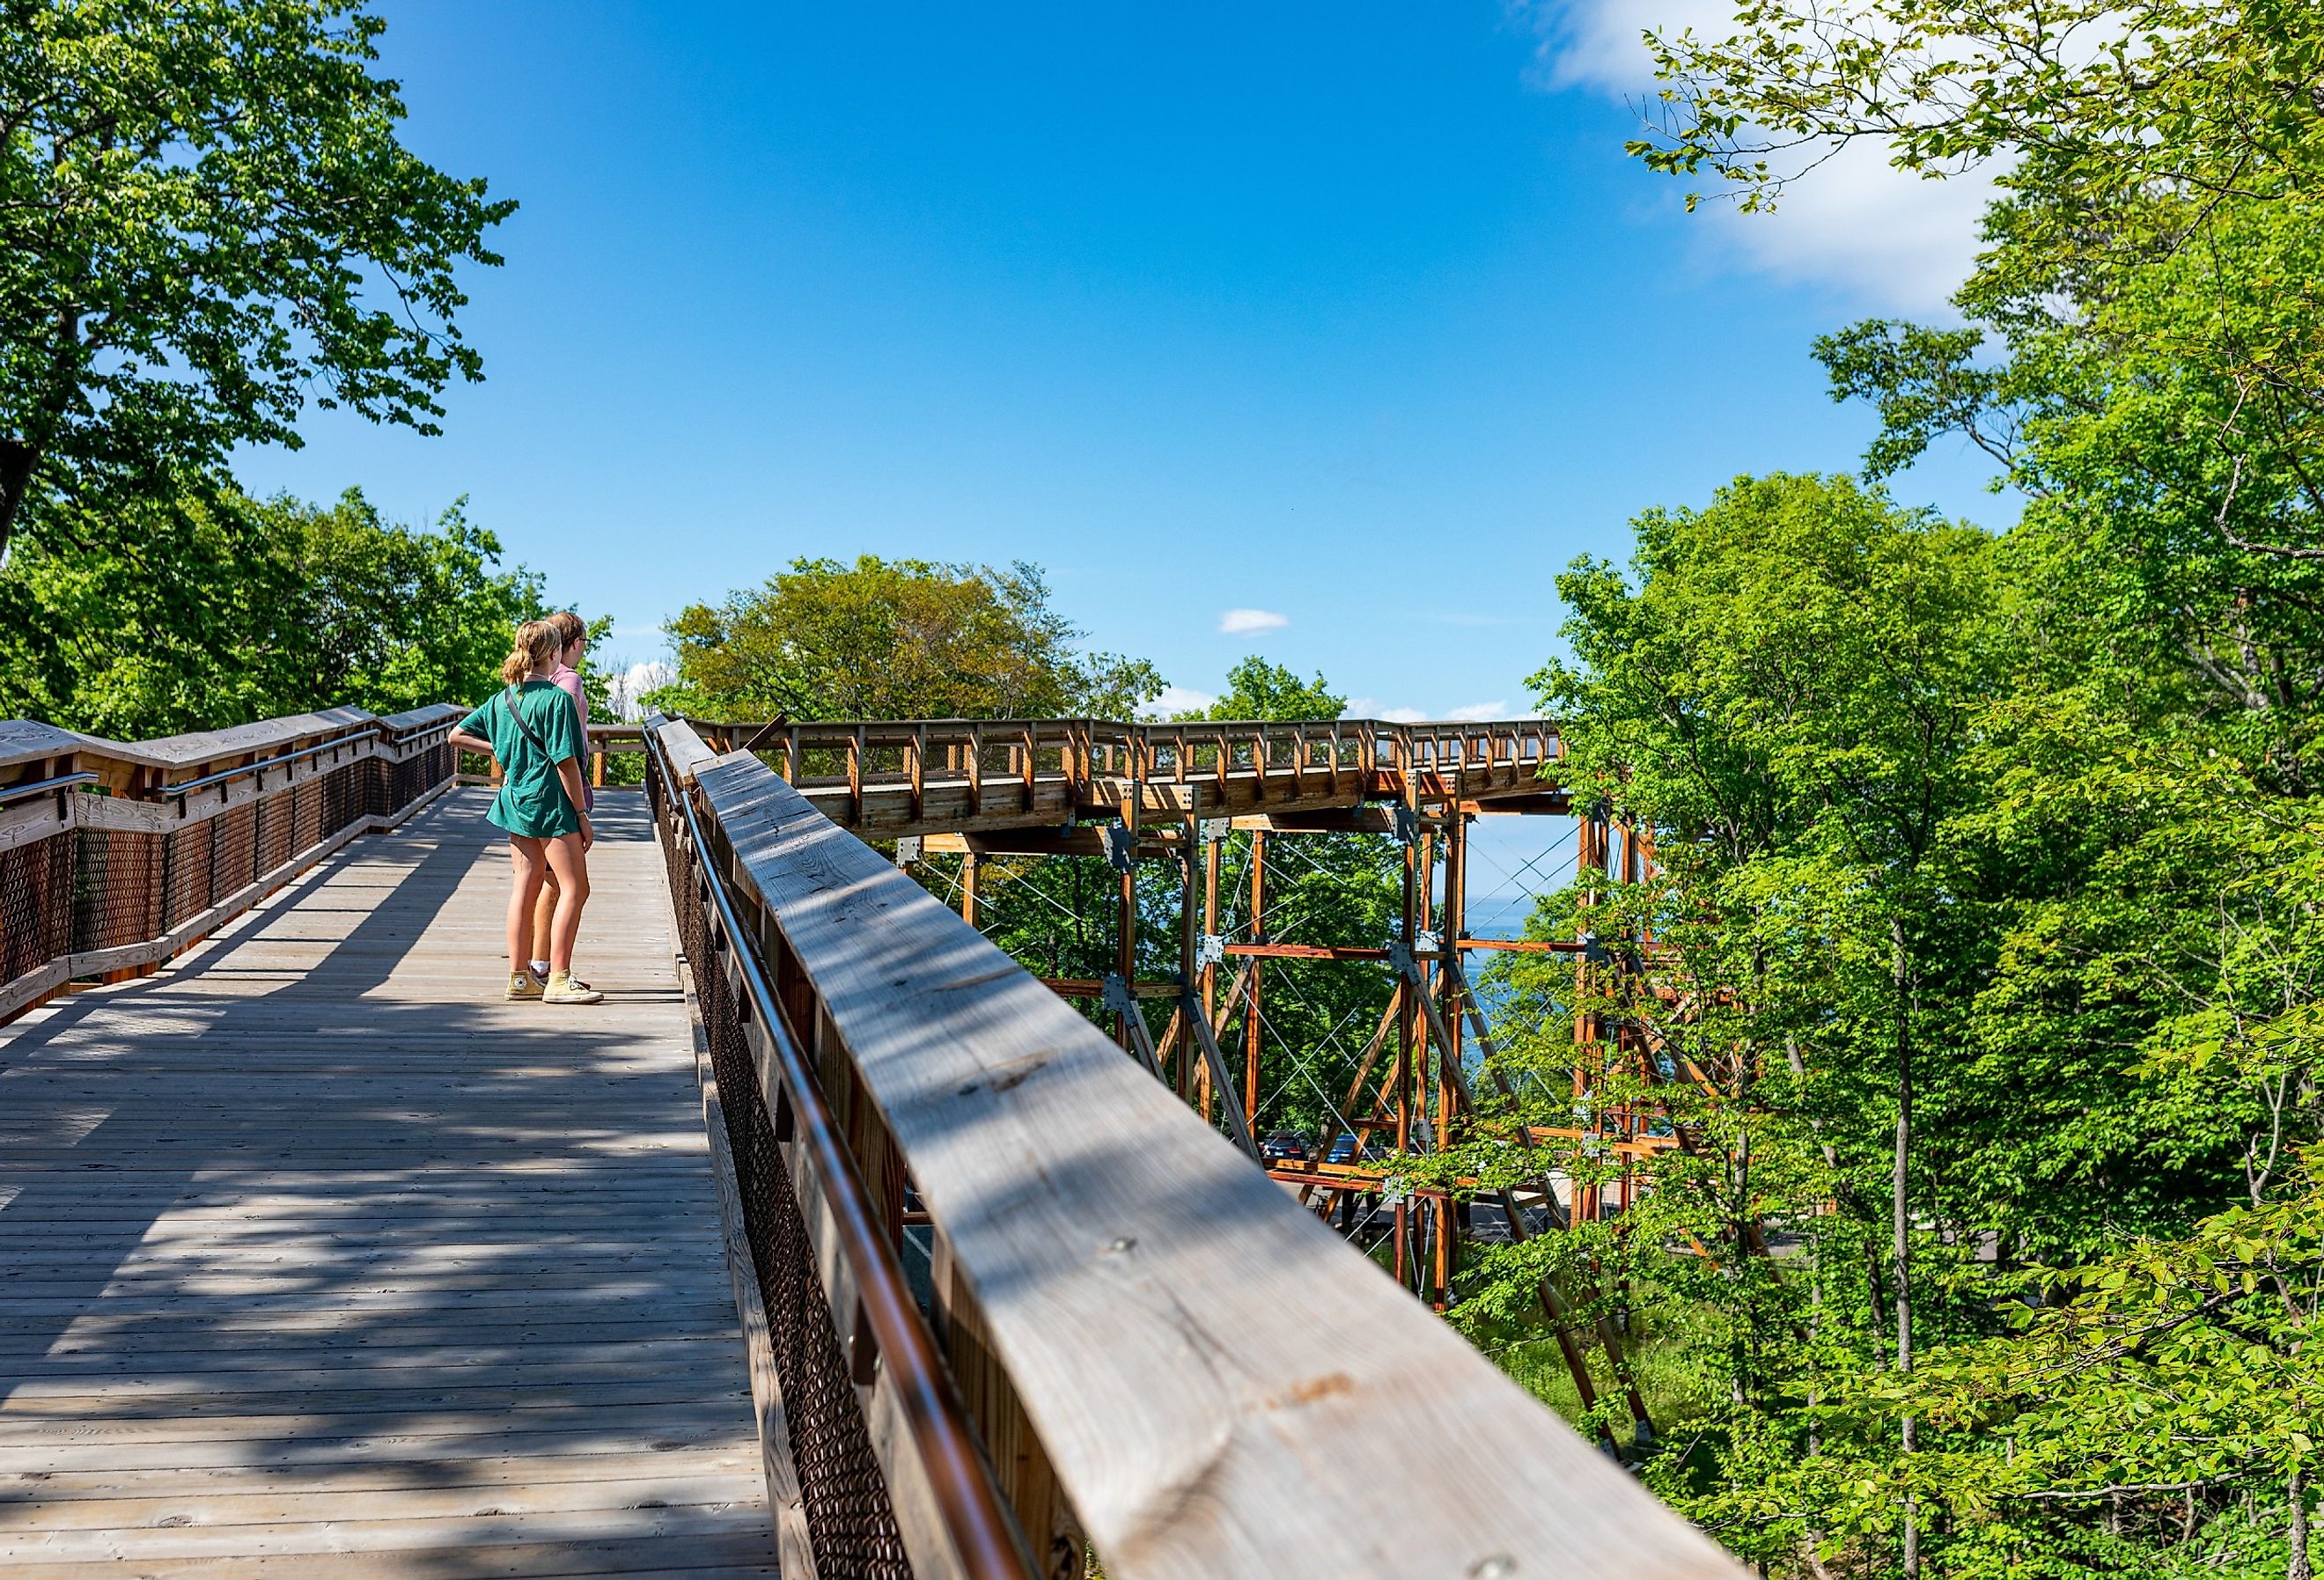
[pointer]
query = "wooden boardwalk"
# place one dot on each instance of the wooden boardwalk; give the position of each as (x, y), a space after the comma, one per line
(319, 1259)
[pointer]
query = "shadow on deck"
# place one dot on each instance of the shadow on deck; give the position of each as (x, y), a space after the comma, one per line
(318, 1258)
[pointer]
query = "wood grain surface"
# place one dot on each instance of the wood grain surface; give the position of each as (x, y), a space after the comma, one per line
(1223, 1386)
(318, 1258)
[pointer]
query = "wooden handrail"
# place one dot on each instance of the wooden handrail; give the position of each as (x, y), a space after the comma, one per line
(1090, 749)
(964, 1530)
(1213, 1382)
(164, 841)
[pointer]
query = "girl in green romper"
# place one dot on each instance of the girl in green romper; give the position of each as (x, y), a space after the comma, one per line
(533, 730)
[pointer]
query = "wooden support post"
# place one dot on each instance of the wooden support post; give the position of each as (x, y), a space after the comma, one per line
(917, 750)
(970, 865)
(855, 749)
(1407, 929)
(1589, 1025)
(1125, 924)
(1125, 933)
(1189, 925)
(1211, 925)
(1250, 1029)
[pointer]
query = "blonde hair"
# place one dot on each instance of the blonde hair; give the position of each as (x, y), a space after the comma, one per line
(538, 645)
(569, 629)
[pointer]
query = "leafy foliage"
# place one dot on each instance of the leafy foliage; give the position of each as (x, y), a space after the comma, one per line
(232, 609)
(206, 218)
(896, 639)
(1988, 893)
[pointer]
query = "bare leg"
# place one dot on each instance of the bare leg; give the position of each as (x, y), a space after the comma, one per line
(528, 863)
(544, 913)
(566, 860)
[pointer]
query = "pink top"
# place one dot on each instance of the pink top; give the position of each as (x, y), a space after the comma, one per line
(571, 680)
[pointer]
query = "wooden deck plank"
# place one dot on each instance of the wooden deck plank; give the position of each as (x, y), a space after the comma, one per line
(713, 1557)
(319, 1257)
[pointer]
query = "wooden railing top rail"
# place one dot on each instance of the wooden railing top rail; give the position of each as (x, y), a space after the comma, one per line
(1220, 1384)
(894, 732)
(123, 854)
(174, 757)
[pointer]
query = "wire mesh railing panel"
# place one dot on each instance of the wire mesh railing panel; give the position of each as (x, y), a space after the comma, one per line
(186, 872)
(274, 834)
(36, 909)
(130, 868)
(233, 850)
(406, 782)
(116, 890)
(341, 793)
(850, 1522)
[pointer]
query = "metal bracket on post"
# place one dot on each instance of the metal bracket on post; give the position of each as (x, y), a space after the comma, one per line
(1407, 824)
(1216, 830)
(908, 850)
(1120, 846)
(1210, 949)
(1124, 1002)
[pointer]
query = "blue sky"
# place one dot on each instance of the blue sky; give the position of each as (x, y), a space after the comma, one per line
(1353, 314)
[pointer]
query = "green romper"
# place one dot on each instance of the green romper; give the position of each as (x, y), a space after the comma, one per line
(532, 802)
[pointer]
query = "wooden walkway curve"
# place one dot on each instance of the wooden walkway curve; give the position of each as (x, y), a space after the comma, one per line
(318, 1259)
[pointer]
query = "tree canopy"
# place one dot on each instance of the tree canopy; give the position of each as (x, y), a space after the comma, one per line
(1257, 689)
(206, 221)
(266, 607)
(1980, 986)
(896, 639)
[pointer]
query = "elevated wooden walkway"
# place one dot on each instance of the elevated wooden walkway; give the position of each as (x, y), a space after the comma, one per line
(848, 1250)
(319, 1259)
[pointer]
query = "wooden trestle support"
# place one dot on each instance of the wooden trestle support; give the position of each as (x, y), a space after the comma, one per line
(1133, 793)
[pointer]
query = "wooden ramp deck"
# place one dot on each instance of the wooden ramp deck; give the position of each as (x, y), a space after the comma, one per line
(319, 1259)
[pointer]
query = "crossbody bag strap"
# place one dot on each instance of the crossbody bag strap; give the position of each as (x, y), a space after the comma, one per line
(517, 714)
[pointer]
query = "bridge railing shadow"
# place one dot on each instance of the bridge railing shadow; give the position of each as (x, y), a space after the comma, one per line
(261, 1214)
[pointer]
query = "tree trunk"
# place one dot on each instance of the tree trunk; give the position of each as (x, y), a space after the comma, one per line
(1903, 1215)
(16, 459)
(2295, 1568)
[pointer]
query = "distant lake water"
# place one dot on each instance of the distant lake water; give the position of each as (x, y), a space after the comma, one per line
(1498, 916)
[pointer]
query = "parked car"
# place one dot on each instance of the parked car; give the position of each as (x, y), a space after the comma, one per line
(1345, 1150)
(1284, 1146)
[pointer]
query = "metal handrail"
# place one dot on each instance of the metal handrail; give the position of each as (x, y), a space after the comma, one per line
(39, 787)
(986, 1534)
(224, 774)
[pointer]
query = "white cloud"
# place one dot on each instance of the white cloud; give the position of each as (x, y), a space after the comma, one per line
(1179, 699)
(1245, 622)
(634, 682)
(1373, 708)
(1472, 713)
(1896, 242)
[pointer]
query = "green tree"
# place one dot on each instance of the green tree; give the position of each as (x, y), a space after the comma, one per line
(206, 220)
(1257, 689)
(896, 639)
(1784, 687)
(268, 607)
